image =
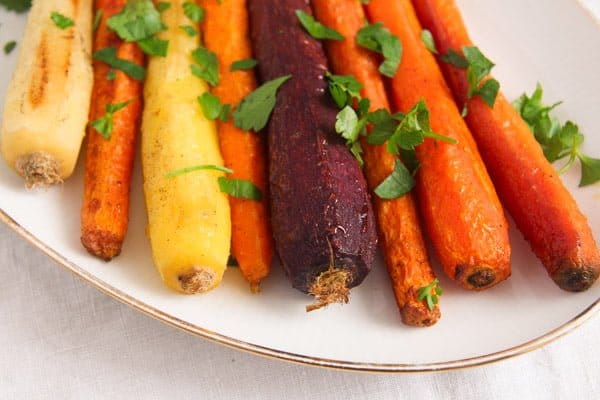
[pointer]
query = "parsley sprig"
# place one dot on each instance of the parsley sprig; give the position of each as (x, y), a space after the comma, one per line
(478, 67)
(104, 124)
(377, 38)
(430, 294)
(557, 141)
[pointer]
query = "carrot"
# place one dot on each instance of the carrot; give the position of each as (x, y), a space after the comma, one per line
(47, 101)
(541, 206)
(460, 208)
(399, 231)
(322, 219)
(225, 32)
(108, 164)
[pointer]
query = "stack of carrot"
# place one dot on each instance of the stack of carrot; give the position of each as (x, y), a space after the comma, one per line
(308, 197)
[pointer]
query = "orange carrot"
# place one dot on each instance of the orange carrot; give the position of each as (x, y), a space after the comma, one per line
(399, 231)
(225, 31)
(541, 206)
(459, 205)
(108, 164)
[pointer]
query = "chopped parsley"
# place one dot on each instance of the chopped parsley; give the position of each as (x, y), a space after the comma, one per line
(248, 63)
(206, 66)
(430, 294)
(316, 29)
(109, 56)
(97, 19)
(254, 110)
(194, 12)
(427, 39)
(9, 47)
(163, 5)
(189, 30)
(377, 38)
(19, 6)
(212, 108)
(239, 188)
(186, 170)
(138, 22)
(478, 68)
(104, 124)
(397, 184)
(61, 21)
(557, 141)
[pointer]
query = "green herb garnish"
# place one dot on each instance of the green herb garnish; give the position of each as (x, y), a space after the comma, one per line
(109, 56)
(316, 29)
(557, 141)
(397, 184)
(377, 38)
(206, 66)
(430, 294)
(111, 75)
(154, 46)
(243, 64)
(194, 12)
(478, 68)
(9, 46)
(427, 39)
(163, 5)
(186, 170)
(212, 108)
(104, 124)
(97, 19)
(189, 30)
(254, 110)
(239, 188)
(343, 89)
(138, 20)
(61, 21)
(16, 5)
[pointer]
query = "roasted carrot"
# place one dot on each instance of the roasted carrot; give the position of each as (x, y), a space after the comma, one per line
(460, 208)
(322, 219)
(225, 32)
(531, 190)
(109, 161)
(399, 231)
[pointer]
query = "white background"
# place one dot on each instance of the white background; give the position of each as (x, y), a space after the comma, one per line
(62, 339)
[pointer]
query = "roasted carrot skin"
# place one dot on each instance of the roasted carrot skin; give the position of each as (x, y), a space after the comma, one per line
(543, 209)
(460, 208)
(225, 31)
(321, 215)
(400, 235)
(109, 162)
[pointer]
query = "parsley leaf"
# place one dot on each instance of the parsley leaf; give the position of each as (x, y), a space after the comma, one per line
(397, 184)
(9, 46)
(254, 110)
(377, 38)
(109, 56)
(154, 46)
(316, 29)
(162, 6)
(16, 5)
(194, 12)
(61, 21)
(212, 107)
(104, 124)
(138, 20)
(97, 19)
(557, 141)
(186, 170)
(478, 68)
(343, 88)
(111, 75)
(248, 63)
(189, 30)
(427, 39)
(239, 188)
(207, 66)
(430, 293)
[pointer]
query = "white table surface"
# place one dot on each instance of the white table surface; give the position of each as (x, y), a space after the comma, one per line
(62, 339)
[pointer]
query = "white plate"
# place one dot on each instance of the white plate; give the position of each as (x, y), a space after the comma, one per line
(556, 44)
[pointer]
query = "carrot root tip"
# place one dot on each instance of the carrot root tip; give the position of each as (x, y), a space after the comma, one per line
(577, 278)
(102, 244)
(417, 314)
(481, 278)
(198, 280)
(39, 170)
(331, 286)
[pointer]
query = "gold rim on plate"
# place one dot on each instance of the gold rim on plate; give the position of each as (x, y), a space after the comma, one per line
(286, 356)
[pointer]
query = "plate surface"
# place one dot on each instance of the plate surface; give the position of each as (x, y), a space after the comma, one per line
(528, 44)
